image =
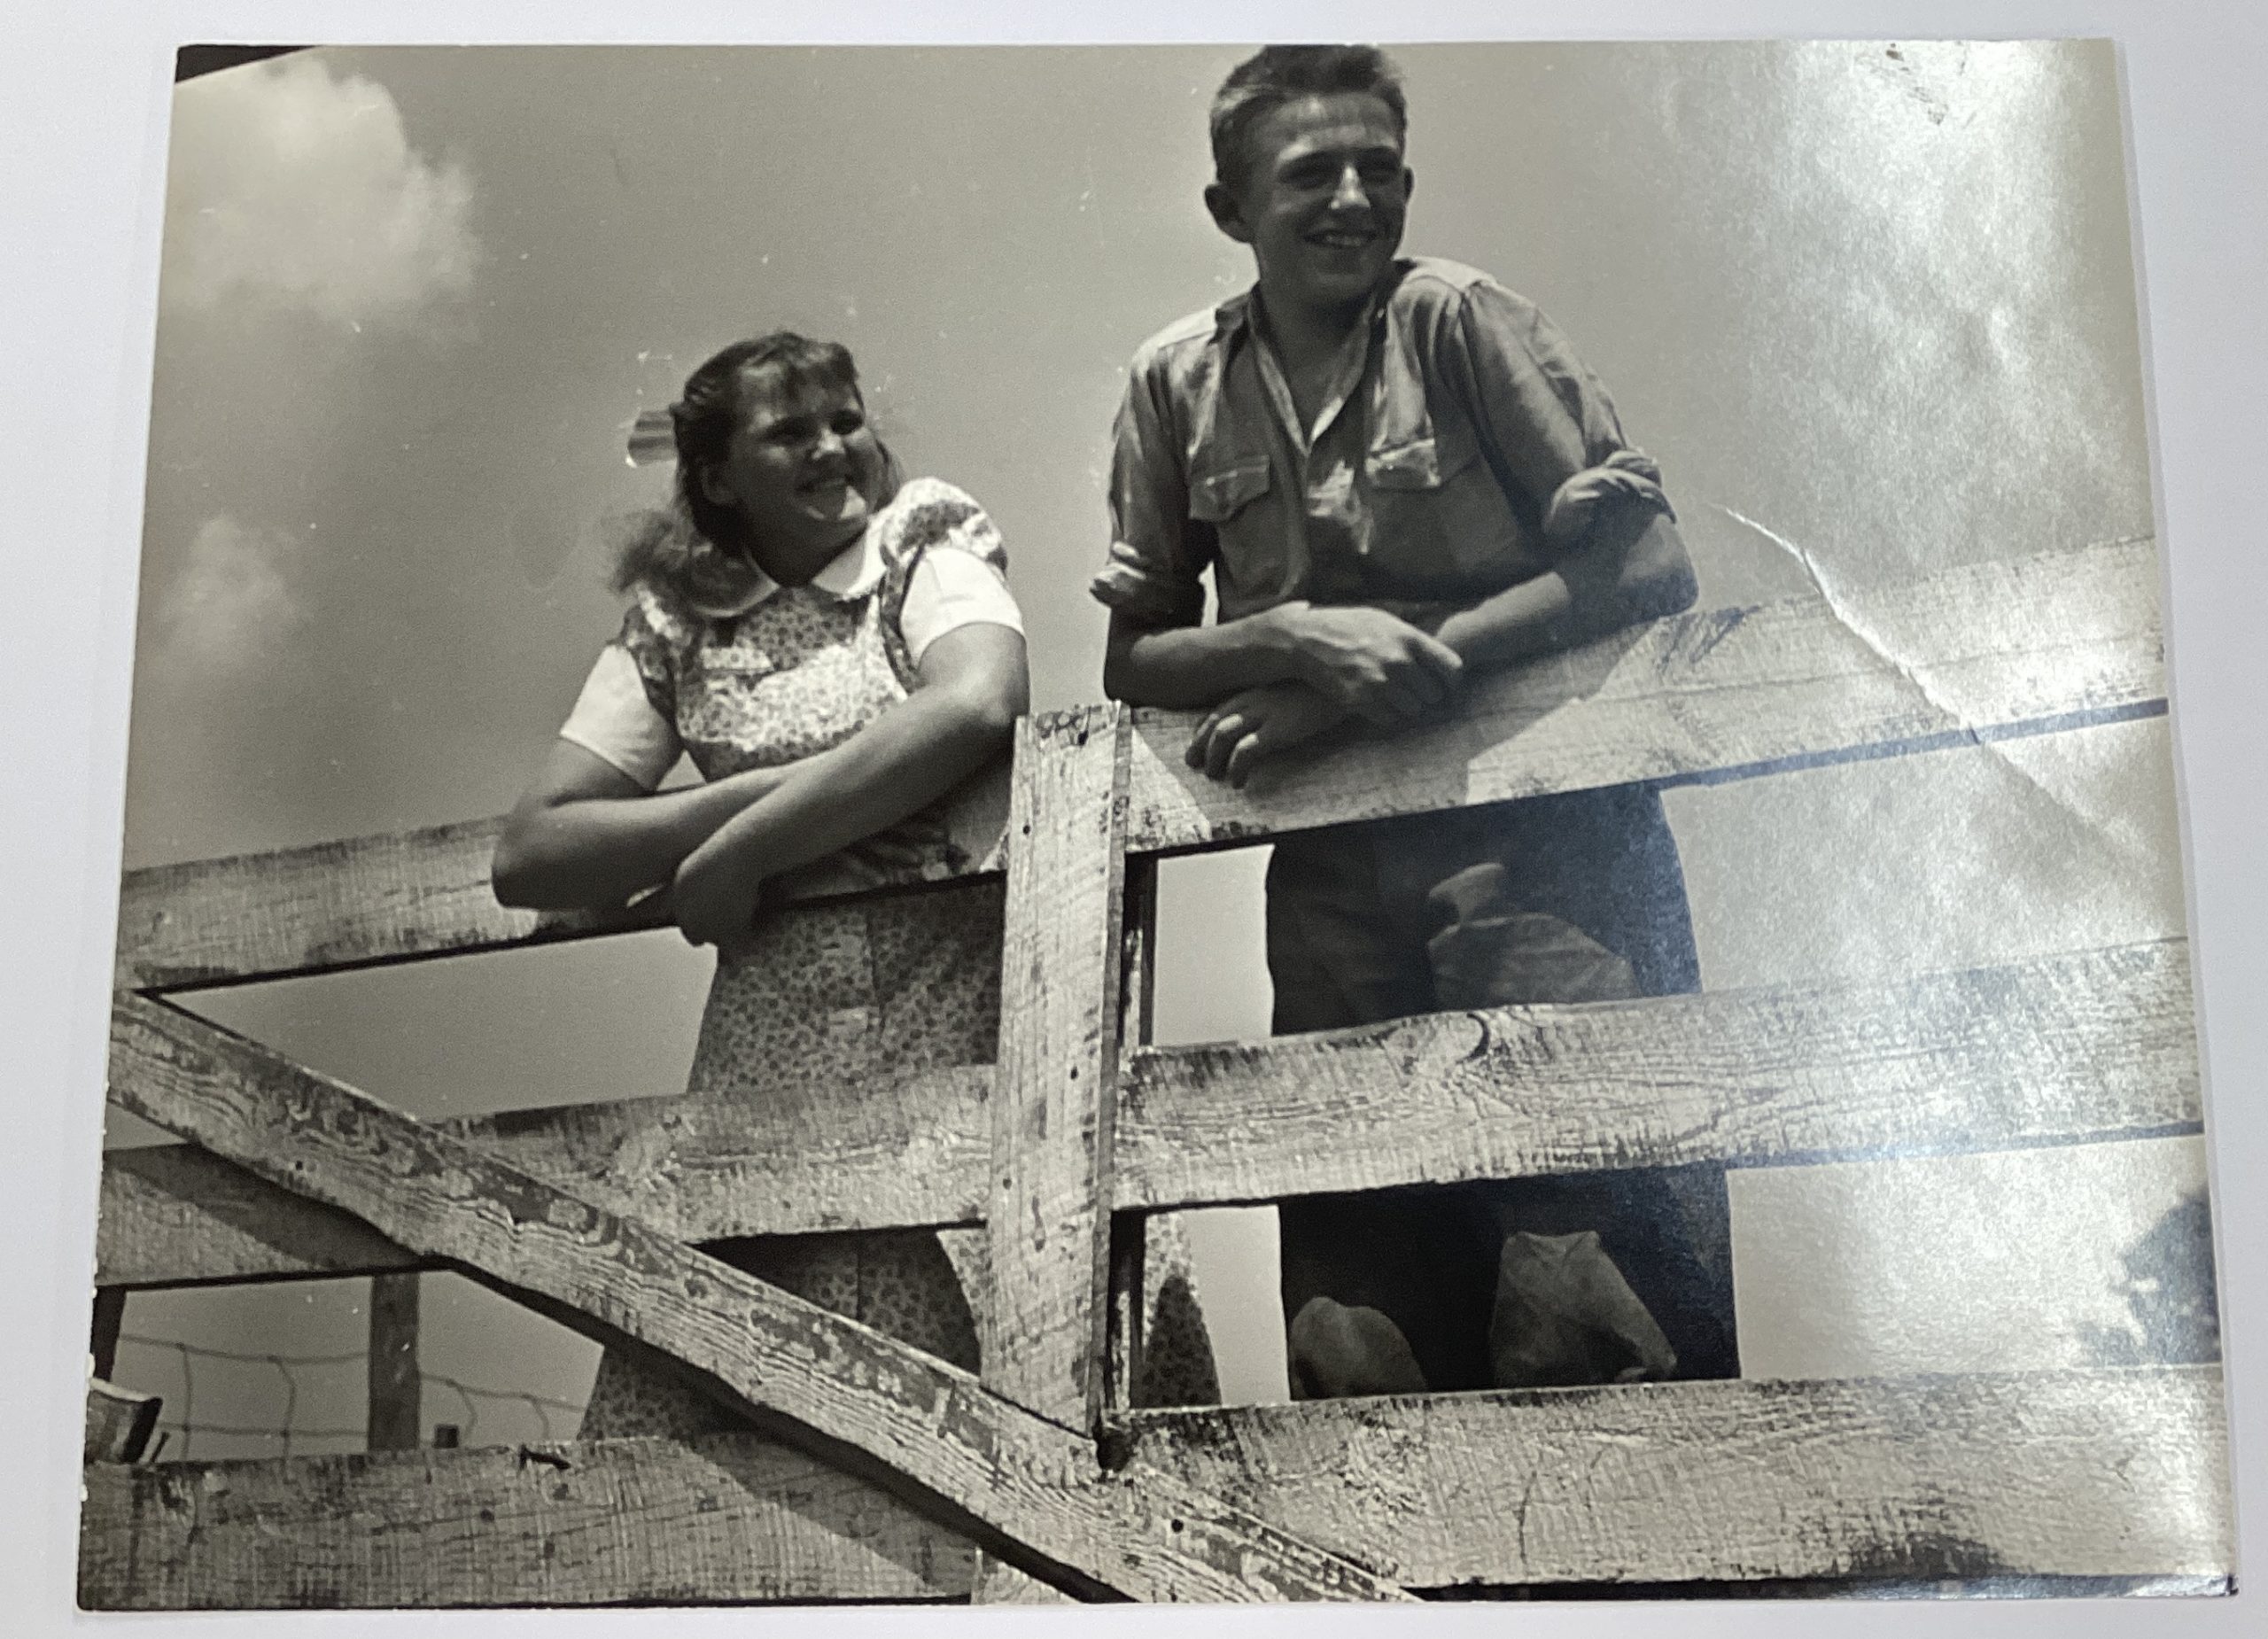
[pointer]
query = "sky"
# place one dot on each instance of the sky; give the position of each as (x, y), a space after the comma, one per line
(1877, 302)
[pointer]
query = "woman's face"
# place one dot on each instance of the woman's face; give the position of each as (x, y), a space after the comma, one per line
(802, 470)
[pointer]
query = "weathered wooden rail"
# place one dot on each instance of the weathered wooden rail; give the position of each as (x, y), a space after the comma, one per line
(914, 1481)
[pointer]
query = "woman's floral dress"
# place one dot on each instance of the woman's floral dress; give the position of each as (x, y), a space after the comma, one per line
(808, 1005)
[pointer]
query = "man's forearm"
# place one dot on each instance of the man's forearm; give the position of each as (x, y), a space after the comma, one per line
(1632, 567)
(1635, 572)
(1534, 617)
(1191, 667)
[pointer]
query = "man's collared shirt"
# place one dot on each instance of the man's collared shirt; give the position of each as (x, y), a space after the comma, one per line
(1421, 483)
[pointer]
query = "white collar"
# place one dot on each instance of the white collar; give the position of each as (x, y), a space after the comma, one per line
(851, 574)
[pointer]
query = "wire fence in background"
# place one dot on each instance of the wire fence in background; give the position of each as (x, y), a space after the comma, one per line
(287, 1367)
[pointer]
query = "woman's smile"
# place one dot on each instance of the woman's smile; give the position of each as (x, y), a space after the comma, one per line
(803, 470)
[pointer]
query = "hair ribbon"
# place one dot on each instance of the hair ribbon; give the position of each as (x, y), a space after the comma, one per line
(653, 437)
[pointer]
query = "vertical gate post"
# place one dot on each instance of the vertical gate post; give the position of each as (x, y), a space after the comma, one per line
(1055, 1098)
(396, 1387)
(1053, 1105)
(1128, 1232)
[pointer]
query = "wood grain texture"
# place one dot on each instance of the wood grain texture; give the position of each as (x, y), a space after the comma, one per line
(2093, 1044)
(175, 1216)
(904, 1152)
(2096, 1044)
(1014, 1483)
(1961, 657)
(119, 1422)
(726, 1518)
(899, 1152)
(872, 1115)
(2090, 1473)
(1958, 657)
(1055, 1102)
(996, 1583)
(1006, 1585)
(401, 897)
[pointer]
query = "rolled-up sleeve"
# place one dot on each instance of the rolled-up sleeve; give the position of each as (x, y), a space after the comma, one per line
(1545, 417)
(1158, 552)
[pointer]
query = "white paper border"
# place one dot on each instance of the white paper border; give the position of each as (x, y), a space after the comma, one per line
(80, 174)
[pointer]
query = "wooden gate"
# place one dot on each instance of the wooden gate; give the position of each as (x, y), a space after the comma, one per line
(910, 1480)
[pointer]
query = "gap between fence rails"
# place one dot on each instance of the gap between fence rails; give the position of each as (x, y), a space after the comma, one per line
(2083, 1047)
(1664, 699)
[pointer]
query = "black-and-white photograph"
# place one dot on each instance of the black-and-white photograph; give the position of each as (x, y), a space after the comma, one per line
(1171, 823)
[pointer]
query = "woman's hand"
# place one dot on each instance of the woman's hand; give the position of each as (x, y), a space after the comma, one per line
(1251, 726)
(714, 894)
(587, 836)
(891, 855)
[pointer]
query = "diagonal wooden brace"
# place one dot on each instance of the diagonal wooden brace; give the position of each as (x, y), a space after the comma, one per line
(1022, 1488)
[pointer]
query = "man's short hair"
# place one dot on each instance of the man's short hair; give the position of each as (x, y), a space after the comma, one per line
(1278, 74)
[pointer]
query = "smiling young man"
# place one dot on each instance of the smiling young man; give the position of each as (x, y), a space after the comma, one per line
(1399, 475)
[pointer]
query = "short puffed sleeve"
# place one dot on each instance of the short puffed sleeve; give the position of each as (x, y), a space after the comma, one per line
(946, 568)
(627, 711)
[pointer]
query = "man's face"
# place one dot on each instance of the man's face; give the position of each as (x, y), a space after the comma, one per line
(1322, 200)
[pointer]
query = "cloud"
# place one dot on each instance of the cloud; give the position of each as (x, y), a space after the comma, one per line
(290, 184)
(233, 597)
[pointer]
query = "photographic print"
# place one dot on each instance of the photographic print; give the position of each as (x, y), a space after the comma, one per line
(1190, 823)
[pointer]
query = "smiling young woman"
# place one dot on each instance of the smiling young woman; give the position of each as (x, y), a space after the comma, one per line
(836, 648)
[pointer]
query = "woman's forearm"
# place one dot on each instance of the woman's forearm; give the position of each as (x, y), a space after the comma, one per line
(596, 853)
(898, 765)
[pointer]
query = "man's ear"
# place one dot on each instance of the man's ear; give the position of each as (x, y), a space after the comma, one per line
(713, 487)
(1227, 213)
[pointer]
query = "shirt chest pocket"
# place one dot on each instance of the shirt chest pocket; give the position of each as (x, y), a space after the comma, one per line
(1247, 552)
(1439, 514)
(1217, 493)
